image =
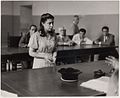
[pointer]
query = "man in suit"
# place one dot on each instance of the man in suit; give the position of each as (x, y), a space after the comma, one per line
(106, 39)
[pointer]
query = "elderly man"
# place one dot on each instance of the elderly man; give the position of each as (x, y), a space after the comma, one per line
(63, 39)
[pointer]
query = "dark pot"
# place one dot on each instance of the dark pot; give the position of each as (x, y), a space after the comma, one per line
(69, 73)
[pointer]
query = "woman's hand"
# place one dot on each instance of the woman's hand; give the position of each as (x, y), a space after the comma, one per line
(48, 57)
(82, 41)
(97, 42)
(112, 61)
(54, 57)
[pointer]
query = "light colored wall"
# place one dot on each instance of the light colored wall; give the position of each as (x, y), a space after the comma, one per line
(94, 15)
(17, 4)
(69, 7)
(25, 18)
(6, 8)
(75, 7)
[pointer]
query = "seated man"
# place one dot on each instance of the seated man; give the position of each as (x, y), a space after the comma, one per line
(24, 43)
(80, 38)
(25, 38)
(63, 39)
(106, 39)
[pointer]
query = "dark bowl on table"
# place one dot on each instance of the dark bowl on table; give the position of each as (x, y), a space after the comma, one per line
(69, 73)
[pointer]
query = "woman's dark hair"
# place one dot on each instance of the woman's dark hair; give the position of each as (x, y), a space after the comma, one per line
(82, 30)
(105, 27)
(44, 18)
(33, 26)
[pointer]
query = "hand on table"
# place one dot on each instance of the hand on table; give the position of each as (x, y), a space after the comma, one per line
(110, 60)
(96, 42)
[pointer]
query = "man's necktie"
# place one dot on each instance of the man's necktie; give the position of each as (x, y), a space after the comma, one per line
(105, 38)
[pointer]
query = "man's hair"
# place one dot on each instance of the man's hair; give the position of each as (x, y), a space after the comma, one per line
(76, 16)
(82, 30)
(61, 28)
(105, 27)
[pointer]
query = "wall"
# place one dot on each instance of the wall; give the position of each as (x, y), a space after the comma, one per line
(94, 15)
(75, 7)
(25, 17)
(6, 20)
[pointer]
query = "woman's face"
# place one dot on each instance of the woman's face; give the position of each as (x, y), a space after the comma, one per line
(48, 25)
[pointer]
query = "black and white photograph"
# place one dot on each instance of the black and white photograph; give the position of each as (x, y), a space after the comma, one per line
(65, 48)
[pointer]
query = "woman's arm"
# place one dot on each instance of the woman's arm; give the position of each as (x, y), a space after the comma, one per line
(33, 53)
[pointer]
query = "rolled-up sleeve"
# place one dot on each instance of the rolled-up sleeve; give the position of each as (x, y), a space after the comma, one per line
(33, 42)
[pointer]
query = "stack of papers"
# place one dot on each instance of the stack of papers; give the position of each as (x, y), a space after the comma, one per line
(100, 84)
(7, 94)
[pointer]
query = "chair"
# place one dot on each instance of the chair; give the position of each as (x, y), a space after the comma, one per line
(70, 36)
(13, 41)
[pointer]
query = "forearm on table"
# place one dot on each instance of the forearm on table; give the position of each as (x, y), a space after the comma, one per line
(60, 43)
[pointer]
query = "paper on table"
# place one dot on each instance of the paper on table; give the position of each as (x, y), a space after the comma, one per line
(100, 84)
(7, 94)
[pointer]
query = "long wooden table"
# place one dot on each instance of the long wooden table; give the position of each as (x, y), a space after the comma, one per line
(47, 82)
(72, 51)
(63, 52)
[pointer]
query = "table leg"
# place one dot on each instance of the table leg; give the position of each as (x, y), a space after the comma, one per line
(92, 57)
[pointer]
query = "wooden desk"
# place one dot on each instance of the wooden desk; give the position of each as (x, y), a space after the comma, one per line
(47, 82)
(62, 50)
(9, 54)
(74, 51)
(70, 52)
